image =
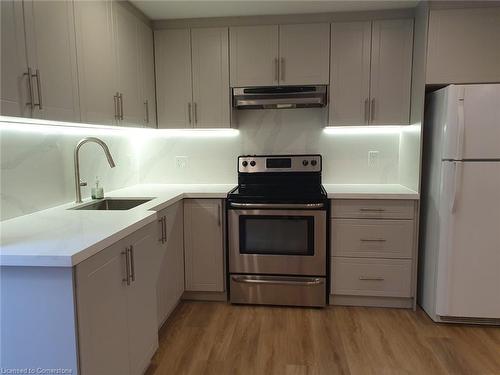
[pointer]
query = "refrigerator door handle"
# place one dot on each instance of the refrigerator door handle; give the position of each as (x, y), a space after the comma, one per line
(461, 123)
(458, 166)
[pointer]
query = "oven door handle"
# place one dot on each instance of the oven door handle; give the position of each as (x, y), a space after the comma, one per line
(277, 205)
(299, 281)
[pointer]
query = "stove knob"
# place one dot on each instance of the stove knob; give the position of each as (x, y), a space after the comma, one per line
(252, 163)
(305, 163)
(314, 162)
(245, 163)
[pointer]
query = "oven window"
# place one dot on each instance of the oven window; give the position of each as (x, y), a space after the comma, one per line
(277, 235)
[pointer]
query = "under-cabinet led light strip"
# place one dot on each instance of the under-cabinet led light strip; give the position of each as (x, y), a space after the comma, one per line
(59, 127)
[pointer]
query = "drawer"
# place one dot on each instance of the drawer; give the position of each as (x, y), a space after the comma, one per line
(371, 277)
(372, 208)
(372, 238)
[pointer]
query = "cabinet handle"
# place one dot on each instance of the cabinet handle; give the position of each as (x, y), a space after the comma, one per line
(195, 111)
(38, 89)
(127, 266)
(189, 112)
(161, 239)
(276, 69)
(372, 240)
(146, 110)
(219, 215)
(367, 109)
(282, 69)
(120, 100)
(30, 89)
(165, 228)
(376, 278)
(132, 262)
(115, 99)
(372, 209)
(372, 110)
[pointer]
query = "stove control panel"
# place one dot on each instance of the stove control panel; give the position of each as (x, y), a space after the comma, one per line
(279, 163)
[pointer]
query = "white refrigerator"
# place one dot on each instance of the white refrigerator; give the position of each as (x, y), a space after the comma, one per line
(459, 265)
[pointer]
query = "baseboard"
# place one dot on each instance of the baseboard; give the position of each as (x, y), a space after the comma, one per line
(204, 296)
(397, 302)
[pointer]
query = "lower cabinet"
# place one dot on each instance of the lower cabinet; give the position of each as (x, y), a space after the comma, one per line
(204, 245)
(373, 249)
(117, 307)
(170, 258)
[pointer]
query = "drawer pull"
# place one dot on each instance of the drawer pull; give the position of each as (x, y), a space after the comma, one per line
(372, 209)
(372, 240)
(371, 278)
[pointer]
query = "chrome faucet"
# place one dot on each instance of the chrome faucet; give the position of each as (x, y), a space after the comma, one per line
(78, 182)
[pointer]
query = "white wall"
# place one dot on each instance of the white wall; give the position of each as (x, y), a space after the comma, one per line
(213, 159)
(36, 166)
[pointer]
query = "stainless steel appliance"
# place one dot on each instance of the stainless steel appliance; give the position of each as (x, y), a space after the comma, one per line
(277, 231)
(279, 97)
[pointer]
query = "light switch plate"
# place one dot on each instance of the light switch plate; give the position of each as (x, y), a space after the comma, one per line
(373, 158)
(181, 162)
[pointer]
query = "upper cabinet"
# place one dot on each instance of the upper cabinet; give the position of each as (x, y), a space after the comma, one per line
(463, 46)
(14, 94)
(116, 64)
(304, 54)
(371, 66)
(96, 61)
(279, 55)
(41, 82)
(254, 56)
(192, 78)
(76, 61)
(390, 79)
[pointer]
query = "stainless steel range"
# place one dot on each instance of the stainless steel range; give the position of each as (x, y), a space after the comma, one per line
(277, 231)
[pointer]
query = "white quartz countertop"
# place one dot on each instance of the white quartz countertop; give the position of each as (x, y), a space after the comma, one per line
(369, 191)
(60, 237)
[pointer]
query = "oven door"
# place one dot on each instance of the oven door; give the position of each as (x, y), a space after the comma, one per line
(277, 241)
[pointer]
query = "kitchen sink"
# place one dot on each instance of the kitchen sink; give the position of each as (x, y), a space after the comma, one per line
(112, 204)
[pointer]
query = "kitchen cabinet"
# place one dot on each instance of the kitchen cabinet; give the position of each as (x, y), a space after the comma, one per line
(192, 76)
(170, 282)
(350, 73)
(96, 61)
(371, 66)
(373, 252)
(210, 67)
(173, 78)
(463, 46)
(304, 54)
(14, 64)
(254, 55)
(116, 306)
(203, 245)
(146, 44)
(52, 85)
(279, 55)
(129, 78)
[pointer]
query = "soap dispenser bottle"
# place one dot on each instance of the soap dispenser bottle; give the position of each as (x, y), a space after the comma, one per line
(97, 191)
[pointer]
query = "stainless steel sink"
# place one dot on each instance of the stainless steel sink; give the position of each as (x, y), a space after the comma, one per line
(112, 204)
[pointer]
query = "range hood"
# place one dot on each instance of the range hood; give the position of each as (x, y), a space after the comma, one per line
(279, 97)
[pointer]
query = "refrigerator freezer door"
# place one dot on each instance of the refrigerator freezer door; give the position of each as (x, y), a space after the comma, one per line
(468, 282)
(472, 124)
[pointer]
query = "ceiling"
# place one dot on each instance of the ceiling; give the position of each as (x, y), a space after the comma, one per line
(168, 9)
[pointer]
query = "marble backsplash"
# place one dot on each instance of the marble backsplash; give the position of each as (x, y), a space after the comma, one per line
(36, 162)
(298, 131)
(36, 166)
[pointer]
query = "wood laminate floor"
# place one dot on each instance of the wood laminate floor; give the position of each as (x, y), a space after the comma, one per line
(219, 338)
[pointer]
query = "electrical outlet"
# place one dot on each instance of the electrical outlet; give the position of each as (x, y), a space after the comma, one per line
(373, 157)
(181, 162)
